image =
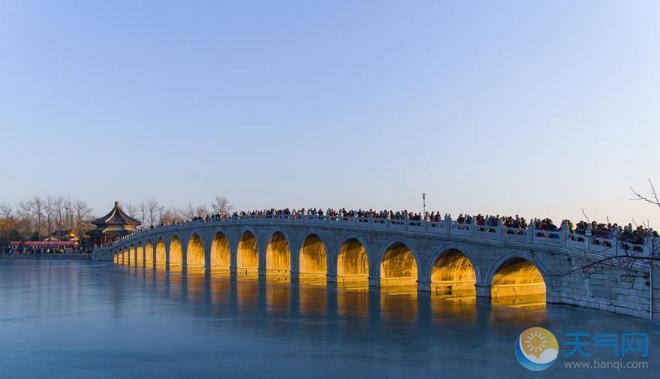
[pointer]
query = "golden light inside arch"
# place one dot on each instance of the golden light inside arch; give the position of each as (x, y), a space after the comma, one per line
(195, 261)
(148, 254)
(139, 256)
(278, 258)
(220, 254)
(176, 254)
(398, 268)
(453, 276)
(353, 264)
(161, 254)
(247, 259)
(313, 261)
(518, 282)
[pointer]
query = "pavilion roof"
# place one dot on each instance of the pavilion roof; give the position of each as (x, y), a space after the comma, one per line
(116, 217)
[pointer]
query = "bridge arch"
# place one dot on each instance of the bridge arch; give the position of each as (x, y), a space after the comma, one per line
(453, 274)
(313, 258)
(176, 254)
(247, 254)
(220, 253)
(149, 253)
(517, 280)
(195, 254)
(139, 255)
(161, 253)
(399, 265)
(131, 255)
(353, 261)
(278, 256)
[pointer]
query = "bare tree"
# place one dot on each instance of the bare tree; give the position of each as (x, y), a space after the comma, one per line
(58, 205)
(81, 212)
(188, 212)
(37, 205)
(131, 210)
(7, 221)
(152, 212)
(651, 199)
(201, 211)
(68, 214)
(170, 216)
(25, 216)
(6, 211)
(142, 214)
(221, 205)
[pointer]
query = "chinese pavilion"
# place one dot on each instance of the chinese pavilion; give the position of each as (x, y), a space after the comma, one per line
(114, 225)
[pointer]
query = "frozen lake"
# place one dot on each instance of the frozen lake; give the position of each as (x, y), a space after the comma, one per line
(89, 319)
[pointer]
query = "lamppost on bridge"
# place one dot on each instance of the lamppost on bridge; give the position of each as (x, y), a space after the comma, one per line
(424, 205)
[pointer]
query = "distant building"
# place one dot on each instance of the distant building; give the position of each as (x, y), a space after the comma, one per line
(63, 235)
(114, 225)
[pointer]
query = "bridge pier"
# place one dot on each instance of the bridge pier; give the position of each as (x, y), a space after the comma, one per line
(483, 290)
(424, 286)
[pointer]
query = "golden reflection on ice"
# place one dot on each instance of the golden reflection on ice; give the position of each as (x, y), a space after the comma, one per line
(195, 286)
(278, 298)
(221, 290)
(532, 314)
(313, 300)
(352, 300)
(518, 283)
(398, 303)
(448, 308)
(247, 291)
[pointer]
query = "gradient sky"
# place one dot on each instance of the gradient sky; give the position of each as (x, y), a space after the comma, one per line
(529, 107)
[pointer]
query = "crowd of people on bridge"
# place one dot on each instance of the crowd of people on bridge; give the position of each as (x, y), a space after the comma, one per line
(514, 224)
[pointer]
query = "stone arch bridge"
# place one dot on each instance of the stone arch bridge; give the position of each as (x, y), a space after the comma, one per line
(449, 259)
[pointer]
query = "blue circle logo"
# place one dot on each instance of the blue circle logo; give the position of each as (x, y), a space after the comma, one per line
(537, 349)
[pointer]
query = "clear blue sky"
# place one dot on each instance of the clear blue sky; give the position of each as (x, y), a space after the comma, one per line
(537, 108)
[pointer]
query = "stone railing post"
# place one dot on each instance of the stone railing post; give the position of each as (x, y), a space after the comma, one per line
(500, 229)
(531, 230)
(406, 220)
(448, 223)
(615, 240)
(587, 237)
